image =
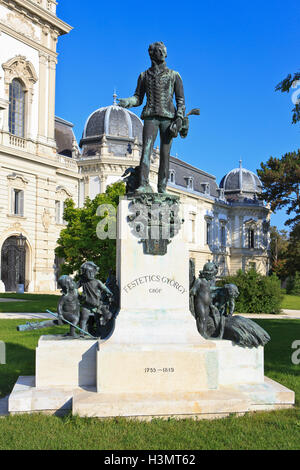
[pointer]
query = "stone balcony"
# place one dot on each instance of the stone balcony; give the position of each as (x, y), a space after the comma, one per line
(67, 162)
(40, 149)
(16, 141)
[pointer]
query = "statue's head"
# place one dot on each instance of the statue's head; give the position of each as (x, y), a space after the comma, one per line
(157, 51)
(89, 270)
(210, 270)
(66, 284)
(232, 291)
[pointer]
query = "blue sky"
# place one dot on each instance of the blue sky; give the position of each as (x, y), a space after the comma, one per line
(230, 55)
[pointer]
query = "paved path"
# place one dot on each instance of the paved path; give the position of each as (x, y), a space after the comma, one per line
(25, 316)
(286, 314)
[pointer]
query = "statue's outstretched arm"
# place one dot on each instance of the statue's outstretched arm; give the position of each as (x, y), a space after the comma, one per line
(137, 98)
(105, 288)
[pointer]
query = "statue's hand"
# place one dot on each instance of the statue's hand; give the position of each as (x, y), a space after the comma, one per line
(124, 102)
(110, 297)
(175, 127)
(185, 128)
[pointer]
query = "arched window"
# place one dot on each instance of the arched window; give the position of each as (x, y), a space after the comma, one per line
(172, 176)
(16, 108)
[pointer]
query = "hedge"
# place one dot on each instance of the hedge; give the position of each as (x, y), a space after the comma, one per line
(258, 293)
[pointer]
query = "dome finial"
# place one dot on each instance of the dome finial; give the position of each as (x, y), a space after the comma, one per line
(241, 177)
(115, 98)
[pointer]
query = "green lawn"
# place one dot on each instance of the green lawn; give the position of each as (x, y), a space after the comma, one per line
(291, 302)
(261, 430)
(20, 352)
(33, 303)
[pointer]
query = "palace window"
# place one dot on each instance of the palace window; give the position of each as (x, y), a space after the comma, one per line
(189, 182)
(208, 233)
(191, 228)
(172, 176)
(206, 188)
(251, 235)
(17, 203)
(223, 235)
(16, 108)
(59, 212)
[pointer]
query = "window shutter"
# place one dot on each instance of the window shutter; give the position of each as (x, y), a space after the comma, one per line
(12, 201)
(57, 212)
(21, 203)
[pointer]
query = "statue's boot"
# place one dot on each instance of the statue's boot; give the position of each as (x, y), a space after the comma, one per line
(161, 190)
(142, 189)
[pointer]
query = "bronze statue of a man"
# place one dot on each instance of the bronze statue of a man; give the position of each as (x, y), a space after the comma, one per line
(159, 84)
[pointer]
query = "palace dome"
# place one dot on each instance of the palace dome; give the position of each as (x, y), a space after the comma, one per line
(241, 181)
(113, 121)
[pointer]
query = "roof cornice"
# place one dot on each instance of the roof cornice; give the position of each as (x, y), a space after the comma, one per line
(35, 10)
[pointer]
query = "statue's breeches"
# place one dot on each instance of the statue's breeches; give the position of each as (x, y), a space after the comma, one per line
(151, 127)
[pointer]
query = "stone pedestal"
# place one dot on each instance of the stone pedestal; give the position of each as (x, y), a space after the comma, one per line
(155, 363)
(155, 346)
(151, 283)
(65, 362)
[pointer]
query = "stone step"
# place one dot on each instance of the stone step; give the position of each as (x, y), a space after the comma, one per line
(86, 402)
(149, 405)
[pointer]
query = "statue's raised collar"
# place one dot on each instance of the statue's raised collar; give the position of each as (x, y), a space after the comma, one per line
(156, 69)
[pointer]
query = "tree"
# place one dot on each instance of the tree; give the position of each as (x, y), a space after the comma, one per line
(279, 242)
(293, 251)
(280, 178)
(80, 242)
(285, 86)
(293, 284)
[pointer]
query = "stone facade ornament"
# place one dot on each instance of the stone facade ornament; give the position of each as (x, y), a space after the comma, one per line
(20, 179)
(61, 191)
(155, 220)
(46, 219)
(19, 67)
(21, 24)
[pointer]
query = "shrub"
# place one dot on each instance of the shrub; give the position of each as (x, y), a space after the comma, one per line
(258, 293)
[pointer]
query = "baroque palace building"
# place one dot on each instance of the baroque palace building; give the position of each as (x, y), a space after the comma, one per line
(41, 165)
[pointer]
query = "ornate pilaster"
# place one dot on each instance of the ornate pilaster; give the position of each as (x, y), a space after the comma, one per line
(103, 182)
(43, 95)
(51, 96)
